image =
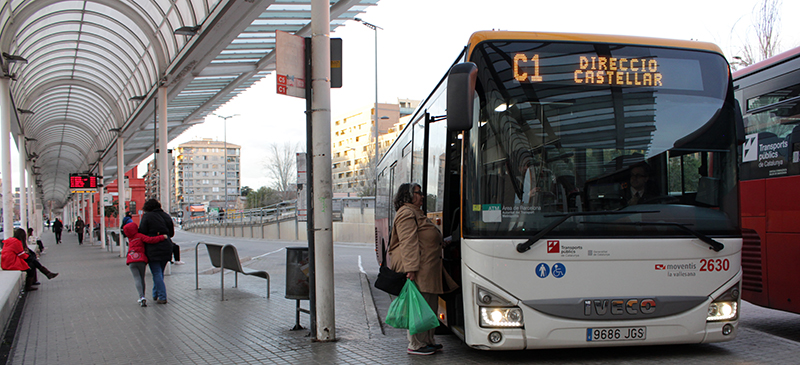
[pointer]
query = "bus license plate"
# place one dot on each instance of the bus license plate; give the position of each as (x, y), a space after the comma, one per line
(616, 334)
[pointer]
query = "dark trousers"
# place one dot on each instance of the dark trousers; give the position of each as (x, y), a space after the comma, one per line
(34, 265)
(80, 236)
(176, 252)
(58, 236)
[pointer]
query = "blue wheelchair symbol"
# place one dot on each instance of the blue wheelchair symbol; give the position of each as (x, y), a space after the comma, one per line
(559, 270)
(542, 270)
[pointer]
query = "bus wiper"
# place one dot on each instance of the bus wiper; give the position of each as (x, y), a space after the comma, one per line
(525, 246)
(717, 246)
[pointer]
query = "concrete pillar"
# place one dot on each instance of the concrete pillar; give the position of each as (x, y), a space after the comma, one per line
(91, 219)
(121, 187)
(32, 212)
(5, 156)
(321, 147)
(102, 207)
(23, 186)
(163, 156)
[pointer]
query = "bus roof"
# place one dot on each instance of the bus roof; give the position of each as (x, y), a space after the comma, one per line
(769, 62)
(486, 35)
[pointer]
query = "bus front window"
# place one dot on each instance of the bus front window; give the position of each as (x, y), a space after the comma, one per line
(541, 149)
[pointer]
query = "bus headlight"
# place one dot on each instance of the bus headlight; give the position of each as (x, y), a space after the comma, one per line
(725, 307)
(501, 317)
(720, 311)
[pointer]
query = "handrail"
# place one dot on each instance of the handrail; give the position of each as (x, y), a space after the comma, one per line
(271, 213)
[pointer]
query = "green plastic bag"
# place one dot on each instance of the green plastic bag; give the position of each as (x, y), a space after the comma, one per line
(409, 310)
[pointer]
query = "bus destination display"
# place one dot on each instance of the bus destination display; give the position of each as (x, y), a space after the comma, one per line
(586, 69)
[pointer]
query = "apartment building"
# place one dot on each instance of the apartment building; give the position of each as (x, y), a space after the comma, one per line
(353, 144)
(203, 176)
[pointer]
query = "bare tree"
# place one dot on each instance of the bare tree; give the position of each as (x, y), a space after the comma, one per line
(765, 23)
(281, 166)
(262, 197)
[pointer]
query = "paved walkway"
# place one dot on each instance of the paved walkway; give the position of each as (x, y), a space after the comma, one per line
(89, 315)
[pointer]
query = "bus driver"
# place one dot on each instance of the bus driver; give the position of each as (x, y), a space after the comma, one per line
(639, 189)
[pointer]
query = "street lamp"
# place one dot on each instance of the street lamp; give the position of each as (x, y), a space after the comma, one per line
(225, 141)
(375, 28)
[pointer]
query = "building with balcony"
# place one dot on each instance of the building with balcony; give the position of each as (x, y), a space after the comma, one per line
(203, 176)
(353, 144)
(152, 182)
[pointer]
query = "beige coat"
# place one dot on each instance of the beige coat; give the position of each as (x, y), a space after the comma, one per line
(416, 245)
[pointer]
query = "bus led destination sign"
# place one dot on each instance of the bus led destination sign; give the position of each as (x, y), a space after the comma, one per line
(598, 70)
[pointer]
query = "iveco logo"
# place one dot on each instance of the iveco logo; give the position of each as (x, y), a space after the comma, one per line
(618, 307)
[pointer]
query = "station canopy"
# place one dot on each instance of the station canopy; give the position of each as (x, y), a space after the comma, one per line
(83, 71)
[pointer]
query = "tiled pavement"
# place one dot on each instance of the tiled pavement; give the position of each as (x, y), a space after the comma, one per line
(89, 315)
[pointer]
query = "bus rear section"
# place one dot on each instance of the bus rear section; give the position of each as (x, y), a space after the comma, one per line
(769, 96)
(599, 203)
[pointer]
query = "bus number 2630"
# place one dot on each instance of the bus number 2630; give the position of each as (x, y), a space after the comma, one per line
(714, 265)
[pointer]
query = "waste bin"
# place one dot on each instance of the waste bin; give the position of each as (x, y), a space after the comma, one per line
(297, 267)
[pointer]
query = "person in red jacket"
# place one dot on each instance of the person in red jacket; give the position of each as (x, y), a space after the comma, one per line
(13, 257)
(137, 260)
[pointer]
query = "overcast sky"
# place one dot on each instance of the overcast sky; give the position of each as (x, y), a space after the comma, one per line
(421, 38)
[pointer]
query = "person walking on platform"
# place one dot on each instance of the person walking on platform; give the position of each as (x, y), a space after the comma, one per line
(137, 260)
(415, 248)
(80, 228)
(155, 222)
(57, 228)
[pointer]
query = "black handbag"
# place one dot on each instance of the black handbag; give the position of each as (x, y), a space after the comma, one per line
(389, 280)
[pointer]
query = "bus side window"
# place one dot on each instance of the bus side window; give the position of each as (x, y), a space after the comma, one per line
(794, 151)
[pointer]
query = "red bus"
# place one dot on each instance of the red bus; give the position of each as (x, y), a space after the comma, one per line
(769, 96)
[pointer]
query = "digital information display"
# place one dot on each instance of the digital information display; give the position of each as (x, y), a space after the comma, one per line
(82, 181)
(598, 70)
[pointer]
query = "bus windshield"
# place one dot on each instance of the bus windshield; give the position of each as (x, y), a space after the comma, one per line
(594, 127)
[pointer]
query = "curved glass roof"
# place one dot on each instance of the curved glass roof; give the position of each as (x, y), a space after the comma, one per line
(95, 65)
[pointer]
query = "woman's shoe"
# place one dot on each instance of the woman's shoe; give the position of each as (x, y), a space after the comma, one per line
(143, 302)
(51, 275)
(161, 301)
(37, 283)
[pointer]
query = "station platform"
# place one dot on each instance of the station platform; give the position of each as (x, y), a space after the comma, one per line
(89, 313)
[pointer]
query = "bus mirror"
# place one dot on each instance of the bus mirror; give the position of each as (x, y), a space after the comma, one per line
(461, 95)
(737, 115)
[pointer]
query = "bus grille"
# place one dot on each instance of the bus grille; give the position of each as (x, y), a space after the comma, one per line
(751, 261)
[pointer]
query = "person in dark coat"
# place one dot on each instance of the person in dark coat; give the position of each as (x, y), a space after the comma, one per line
(79, 229)
(155, 222)
(57, 228)
(137, 260)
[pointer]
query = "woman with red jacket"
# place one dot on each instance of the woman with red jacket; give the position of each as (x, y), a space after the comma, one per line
(137, 260)
(13, 257)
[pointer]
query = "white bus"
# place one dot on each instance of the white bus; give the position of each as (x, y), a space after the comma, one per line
(590, 183)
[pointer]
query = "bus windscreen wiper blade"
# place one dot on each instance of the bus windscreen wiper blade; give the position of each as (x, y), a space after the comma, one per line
(717, 246)
(525, 246)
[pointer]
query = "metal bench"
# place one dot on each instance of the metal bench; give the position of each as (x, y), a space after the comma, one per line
(114, 238)
(225, 257)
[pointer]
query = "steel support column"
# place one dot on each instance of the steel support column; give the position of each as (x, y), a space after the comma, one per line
(321, 147)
